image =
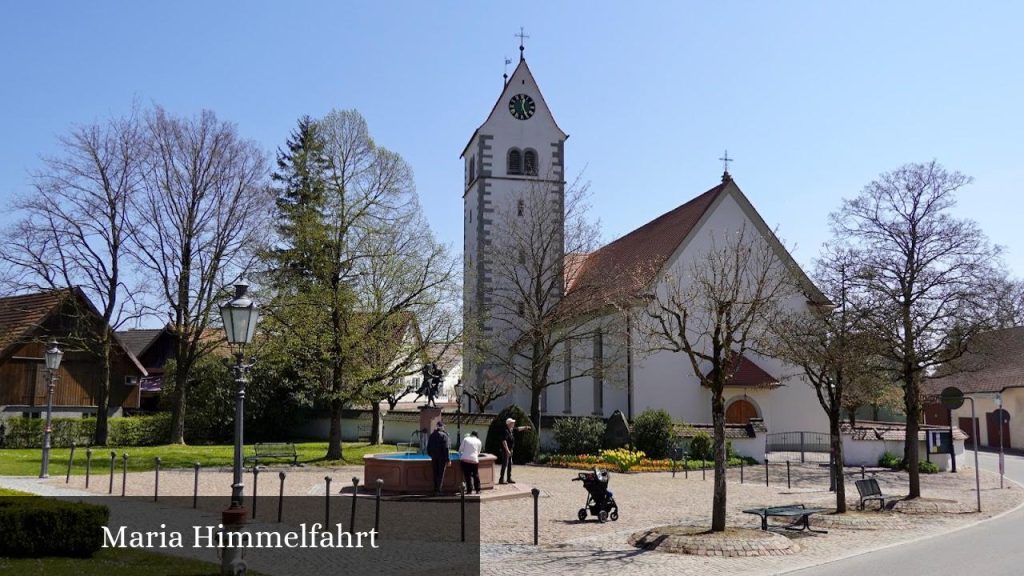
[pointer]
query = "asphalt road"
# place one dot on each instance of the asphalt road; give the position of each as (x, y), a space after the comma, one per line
(993, 548)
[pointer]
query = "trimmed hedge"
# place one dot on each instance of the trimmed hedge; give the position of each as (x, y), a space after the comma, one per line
(579, 435)
(526, 441)
(128, 431)
(35, 527)
(654, 433)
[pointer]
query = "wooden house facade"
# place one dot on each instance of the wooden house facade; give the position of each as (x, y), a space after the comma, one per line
(27, 323)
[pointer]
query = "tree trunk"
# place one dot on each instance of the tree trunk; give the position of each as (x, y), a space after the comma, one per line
(334, 437)
(103, 397)
(535, 415)
(180, 398)
(837, 452)
(910, 443)
(719, 502)
(376, 425)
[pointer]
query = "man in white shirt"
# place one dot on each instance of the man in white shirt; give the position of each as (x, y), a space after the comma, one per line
(469, 458)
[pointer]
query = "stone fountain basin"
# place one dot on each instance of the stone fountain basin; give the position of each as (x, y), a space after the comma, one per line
(412, 473)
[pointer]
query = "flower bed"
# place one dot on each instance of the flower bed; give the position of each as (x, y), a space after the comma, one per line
(643, 464)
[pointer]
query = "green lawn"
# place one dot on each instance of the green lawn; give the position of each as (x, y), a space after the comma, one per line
(110, 562)
(26, 461)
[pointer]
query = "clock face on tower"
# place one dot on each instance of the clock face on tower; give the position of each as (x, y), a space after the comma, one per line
(521, 107)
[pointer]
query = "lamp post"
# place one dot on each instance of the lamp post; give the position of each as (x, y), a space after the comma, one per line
(458, 412)
(239, 316)
(53, 356)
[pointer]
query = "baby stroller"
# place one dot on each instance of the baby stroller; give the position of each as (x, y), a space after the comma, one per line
(600, 501)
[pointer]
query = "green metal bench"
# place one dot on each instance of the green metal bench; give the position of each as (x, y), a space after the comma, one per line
(274, 451)
(799, 513)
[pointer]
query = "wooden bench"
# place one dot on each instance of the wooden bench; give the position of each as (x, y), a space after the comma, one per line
(869, 490)
(800, 514)
(274, 451)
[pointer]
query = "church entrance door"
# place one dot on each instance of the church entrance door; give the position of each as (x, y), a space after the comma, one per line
(740, 412)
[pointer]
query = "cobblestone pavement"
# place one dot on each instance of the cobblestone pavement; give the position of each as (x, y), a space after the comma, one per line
(645, 500)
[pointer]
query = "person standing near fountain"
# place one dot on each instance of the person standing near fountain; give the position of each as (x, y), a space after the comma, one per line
(437, 449)
(469, 458)
(508, 444)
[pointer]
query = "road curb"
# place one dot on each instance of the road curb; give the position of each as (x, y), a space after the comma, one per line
(913, 540)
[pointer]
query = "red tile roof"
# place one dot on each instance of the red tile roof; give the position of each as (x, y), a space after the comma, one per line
(626, 266)
(747, 374)
(993, 362)
(22, 315)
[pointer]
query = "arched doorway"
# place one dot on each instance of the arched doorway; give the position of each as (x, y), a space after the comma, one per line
(740, 411)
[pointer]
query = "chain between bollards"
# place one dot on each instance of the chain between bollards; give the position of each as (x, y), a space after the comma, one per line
(536, 514)
(355, 494)
(156, 480)
(280, 495)
(71, 459)
(376, 514)
(124, 474)
(195, 485)
(88, 465)
(113, 457)
(255, 479)
(327, 502)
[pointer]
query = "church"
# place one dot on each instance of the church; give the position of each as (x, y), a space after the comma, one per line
(520, 149)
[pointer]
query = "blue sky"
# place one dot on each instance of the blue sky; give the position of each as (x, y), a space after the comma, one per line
(813, 99)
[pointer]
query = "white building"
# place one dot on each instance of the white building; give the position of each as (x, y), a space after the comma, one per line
(521, 144)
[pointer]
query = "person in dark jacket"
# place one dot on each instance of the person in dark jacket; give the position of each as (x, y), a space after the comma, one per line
(437, 449)
(508, 445)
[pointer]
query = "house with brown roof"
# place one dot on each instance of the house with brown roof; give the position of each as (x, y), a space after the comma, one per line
(992, 373)
(27, 323)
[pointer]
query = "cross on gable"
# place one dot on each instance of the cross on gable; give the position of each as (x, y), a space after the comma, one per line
(522, 36)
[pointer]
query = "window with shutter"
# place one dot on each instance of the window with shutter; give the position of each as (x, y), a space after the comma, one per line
(515, 161)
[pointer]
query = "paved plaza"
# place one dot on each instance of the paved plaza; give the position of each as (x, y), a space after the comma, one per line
(646, 500)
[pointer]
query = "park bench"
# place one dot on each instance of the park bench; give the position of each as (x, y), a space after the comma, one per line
(869, 490)
(799, 514)
(274, 451)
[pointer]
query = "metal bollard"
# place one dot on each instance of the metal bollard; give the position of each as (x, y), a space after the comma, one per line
(766, 471)
(462, 511)
(686, 467)
(536, 513)
(741, 471)
(88, 465)
(703, 470)
(71, 459)
(789, 479)
(255, 480)
(113, 456)
(376, 514)
(195, 485)
(124, 474)
(327, 502)
(862, 472)
(673, 467)
(355, 494)
(156, 483)
(280, 496)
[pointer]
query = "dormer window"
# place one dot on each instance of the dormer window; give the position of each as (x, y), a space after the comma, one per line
(530, 162)
(515, 161)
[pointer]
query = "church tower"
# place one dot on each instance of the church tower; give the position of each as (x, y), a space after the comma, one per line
(518, 150)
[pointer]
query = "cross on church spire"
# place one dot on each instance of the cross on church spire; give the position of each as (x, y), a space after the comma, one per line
(522, 36)
(725, 161)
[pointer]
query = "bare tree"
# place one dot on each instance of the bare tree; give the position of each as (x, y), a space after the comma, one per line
(829, 347)
(923, 274)
(74, 233)
(1006, 298)
(714, 309)
(531, 322)
(196, 228)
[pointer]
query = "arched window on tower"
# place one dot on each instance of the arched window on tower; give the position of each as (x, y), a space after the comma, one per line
(515, 161)
(530, 162)
(472, 169)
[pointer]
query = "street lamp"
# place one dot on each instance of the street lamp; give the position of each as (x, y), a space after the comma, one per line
(53, 356)
(239, 315)
(458, 411)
